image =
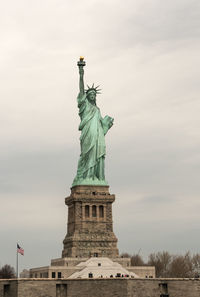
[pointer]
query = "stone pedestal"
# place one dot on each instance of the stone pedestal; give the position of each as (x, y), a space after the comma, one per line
(90, 226)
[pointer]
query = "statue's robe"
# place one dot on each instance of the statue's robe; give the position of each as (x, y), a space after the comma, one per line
(92, 141)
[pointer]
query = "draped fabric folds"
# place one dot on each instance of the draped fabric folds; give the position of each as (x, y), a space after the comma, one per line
(92, 142)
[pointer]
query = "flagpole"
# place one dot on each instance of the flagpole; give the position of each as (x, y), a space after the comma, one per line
(17, 265)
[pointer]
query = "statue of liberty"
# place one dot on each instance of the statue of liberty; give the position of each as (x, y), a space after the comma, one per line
(92, 140)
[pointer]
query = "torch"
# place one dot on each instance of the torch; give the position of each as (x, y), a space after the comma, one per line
(81, 62)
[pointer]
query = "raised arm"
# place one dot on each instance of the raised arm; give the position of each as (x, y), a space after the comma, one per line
(81, 64)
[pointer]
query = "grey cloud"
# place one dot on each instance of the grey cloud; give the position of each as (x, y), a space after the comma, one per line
(152, 200)
(144, 54)
(167, 20)
(37, 171)
(8, 187)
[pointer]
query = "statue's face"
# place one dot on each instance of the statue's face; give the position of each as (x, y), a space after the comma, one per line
(92, 96)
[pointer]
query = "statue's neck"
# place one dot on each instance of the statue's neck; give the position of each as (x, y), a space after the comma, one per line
(92, 102)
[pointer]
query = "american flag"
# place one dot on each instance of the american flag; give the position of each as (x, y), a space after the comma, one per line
(20, 250)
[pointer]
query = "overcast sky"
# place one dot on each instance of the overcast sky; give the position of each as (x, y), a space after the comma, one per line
(145, 56)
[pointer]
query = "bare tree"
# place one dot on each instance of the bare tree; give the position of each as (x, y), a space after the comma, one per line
(167, 265)
(161, 261)
(7, 271)
(181, 266)
(136, 260)
(196, 265)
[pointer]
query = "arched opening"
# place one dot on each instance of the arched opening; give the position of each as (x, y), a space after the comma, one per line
(101, 211)
(87, 211)
(94, 210)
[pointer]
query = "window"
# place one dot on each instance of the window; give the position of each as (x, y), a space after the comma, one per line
(164, 290)
(6, 290)
(94, 210)
(87, 211)
(59, 274)
(95, 254)
(99, 264)
(58, 290)
(45, 274)
(61, 290)
(101, 211)
(164, 287)
(53, 274)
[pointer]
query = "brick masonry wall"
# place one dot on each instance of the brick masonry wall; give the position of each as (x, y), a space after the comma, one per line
(36, 288)
(8, 288)
(101, 288)
(157, 287)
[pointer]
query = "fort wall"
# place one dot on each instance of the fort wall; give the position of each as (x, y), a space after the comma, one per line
(100, 288)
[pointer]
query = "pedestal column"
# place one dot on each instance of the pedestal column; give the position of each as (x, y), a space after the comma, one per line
(90, 226)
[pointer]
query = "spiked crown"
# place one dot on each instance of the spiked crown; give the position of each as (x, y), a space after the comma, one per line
(93, 88)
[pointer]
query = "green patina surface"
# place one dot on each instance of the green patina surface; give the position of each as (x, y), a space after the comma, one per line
(91, 168)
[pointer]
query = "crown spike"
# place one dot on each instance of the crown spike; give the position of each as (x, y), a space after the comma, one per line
(95, 89)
